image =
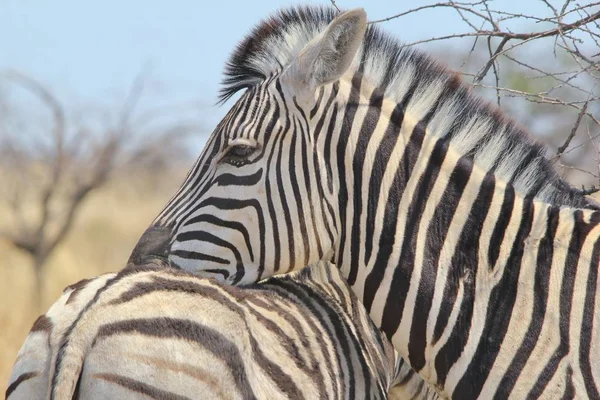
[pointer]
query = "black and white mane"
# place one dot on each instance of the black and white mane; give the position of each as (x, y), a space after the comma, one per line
(475, 127)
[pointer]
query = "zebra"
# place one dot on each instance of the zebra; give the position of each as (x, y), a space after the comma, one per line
(151, 331)
(465, 246)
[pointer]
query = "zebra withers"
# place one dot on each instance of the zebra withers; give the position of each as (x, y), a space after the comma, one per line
(151, 332)
(453, 229)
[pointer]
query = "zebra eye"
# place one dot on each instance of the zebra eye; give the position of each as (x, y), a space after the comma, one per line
(237, 155)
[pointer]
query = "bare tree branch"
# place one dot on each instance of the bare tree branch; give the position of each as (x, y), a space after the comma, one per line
(491, 61)
(567, 82)
(46, 193)
(335, 5)
(565, 145)
(56, 164)
(563, 28)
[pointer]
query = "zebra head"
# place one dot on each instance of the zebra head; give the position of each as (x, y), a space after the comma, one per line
(260, 199)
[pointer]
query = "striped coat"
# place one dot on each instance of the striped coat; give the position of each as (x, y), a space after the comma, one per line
(447, 220)
(160, 333)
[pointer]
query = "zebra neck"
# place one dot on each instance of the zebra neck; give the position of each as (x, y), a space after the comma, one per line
(529, 297)
(448, 259)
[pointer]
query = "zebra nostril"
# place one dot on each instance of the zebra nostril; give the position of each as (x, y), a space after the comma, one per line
(153, 244)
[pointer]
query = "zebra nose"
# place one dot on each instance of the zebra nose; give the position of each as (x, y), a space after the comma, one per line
(153, 244)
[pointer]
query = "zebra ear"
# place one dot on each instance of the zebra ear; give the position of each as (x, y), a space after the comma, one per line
(328, 55)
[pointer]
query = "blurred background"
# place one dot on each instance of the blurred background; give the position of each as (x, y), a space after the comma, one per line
(105, 105)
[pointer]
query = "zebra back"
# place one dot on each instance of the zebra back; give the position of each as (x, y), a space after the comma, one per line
(164, 333)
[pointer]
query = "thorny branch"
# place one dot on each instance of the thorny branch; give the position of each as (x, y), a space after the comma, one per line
(565, 145)
(563, 74)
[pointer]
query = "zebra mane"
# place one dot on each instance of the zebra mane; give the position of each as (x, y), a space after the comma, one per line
(474, 127)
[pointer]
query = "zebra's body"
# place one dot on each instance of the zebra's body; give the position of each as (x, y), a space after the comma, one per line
(161, 333)
(467, 249)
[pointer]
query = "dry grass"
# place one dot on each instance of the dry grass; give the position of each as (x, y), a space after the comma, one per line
(108, 227)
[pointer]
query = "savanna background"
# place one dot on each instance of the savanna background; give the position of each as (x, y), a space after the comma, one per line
(104, 106)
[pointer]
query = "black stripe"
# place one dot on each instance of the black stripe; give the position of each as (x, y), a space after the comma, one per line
(293, 176)
(369, 123)
(500, 227)
(587, 324)
(309, 146)
(327, 149)
(161, 284)
(192, 255)
(204, 336)
(325, 203)
(328, 107)
(579, 234)
(464, 263)
(274, 138)
(569, 387)
(279, 173)
(247, 103)
(259, 127)
(434, 242)
(540, 295)
(22, 378)
(273, 217)
(283, 381)
(139, 387)
(43, 323)
(349, 114)
(238, 180)
(382, 157)
(221, 223)
(315, 108)
(499, 312)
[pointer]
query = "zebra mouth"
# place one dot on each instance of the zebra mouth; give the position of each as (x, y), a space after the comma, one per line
(152, 247)
(154, 260)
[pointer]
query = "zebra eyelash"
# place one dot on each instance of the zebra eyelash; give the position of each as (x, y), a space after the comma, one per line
(238, 152)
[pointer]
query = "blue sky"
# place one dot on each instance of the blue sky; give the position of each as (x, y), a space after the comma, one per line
(90, 52)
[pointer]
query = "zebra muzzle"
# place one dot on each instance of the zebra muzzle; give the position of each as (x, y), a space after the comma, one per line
(153, 245)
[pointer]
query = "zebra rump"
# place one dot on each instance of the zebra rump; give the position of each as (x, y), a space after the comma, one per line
(150, 331)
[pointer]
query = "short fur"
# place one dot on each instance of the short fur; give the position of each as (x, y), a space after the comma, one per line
(164, 333)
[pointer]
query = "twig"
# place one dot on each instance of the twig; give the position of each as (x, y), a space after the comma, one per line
(565, 145)
(491, 61)
(591, 190)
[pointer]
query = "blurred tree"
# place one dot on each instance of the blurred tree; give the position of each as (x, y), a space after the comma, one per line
(47, 177)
